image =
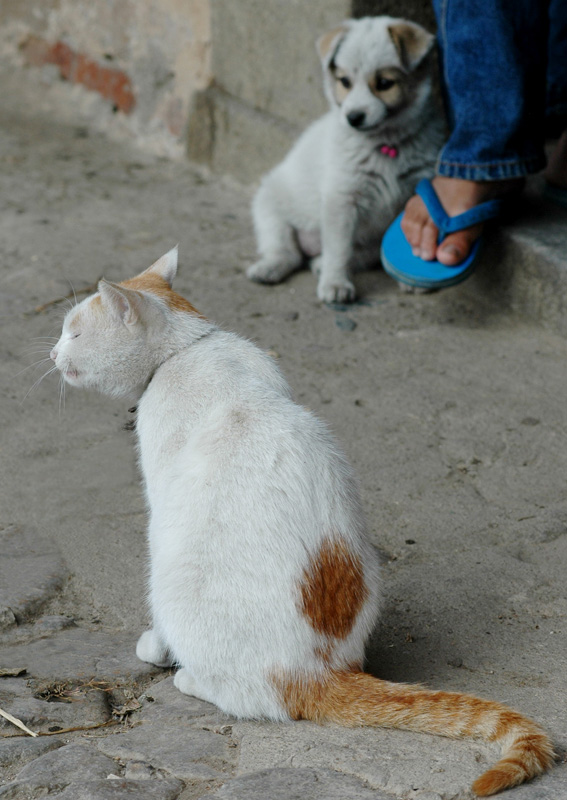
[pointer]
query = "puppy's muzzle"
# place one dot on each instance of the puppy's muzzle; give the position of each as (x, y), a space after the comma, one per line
(356, 118)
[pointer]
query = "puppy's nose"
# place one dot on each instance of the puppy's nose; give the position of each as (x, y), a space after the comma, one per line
(356, 118)
(53, 354)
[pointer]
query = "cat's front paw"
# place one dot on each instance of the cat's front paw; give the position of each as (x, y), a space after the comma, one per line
(151, 649)
(269, 271)
(338, 291)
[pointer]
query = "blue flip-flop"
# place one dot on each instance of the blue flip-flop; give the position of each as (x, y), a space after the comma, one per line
(396, 252)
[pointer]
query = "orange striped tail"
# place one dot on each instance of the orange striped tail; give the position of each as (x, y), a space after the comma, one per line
(356, 698)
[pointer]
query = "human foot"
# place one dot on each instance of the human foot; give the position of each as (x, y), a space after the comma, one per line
(456, 196)
(556, 172)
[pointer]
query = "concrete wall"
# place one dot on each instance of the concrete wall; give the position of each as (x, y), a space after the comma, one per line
(230, 82)
(266, 81)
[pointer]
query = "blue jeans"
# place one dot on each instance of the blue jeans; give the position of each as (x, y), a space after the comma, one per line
(504, 68)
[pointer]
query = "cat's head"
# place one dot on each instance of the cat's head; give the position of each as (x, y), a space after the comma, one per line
(114, 340)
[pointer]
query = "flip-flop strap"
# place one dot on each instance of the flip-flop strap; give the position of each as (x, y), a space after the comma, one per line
(447, 224)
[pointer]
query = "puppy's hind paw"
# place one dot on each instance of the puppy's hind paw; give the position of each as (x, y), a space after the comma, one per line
(336, 291)
(407, 289)
(268, 271)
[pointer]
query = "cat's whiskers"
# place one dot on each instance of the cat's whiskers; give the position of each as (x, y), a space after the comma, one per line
(61, 394)
(74, 295)
(37, 382)
(35, 365)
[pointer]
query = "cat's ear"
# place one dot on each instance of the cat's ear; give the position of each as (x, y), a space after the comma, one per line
(120, 302)
(166, 266)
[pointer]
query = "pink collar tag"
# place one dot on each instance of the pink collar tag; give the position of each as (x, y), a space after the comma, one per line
(388, 150)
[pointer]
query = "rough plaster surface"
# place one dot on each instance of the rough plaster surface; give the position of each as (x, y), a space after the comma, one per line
(451, 410)
(161, 48)
(282, 73)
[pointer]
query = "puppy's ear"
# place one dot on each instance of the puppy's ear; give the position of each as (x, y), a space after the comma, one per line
(412, 42)
(328, 42)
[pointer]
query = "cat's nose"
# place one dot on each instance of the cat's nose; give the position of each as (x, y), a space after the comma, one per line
(53, 354)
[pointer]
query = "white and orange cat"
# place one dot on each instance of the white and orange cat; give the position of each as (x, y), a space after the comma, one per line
(263, 587)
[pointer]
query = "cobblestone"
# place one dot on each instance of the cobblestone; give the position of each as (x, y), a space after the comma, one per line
(296, 784)
(31, 572)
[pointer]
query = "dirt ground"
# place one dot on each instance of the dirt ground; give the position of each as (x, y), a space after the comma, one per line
(452, 412)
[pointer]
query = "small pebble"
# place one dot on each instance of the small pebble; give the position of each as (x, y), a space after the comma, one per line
(138, 770)
(53, 622)
(7, 618)
(345, 323)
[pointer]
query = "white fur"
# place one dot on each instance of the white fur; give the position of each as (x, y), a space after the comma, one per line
(335, 184)
(242, 485)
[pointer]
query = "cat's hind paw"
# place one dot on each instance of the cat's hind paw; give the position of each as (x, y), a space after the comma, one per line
(186, 684)
(150, 648)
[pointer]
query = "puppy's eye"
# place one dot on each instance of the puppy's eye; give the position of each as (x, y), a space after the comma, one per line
(346, 82)
(383, 84)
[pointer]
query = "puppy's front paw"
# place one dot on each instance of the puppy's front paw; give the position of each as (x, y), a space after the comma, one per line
(340, 291)
(151, 649)
(316, 266)
(268, 271)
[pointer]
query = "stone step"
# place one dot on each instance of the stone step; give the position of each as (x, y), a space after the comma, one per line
(524, 266)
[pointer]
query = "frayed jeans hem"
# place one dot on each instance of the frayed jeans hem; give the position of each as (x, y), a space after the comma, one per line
(494, 171)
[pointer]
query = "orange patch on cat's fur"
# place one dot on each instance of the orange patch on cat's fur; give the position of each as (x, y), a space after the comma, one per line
(150, 282)
(325, 652)
(353, 698)
(332, 589)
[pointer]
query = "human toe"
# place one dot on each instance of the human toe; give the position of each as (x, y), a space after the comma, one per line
(456, 247)
(428, 245)
(412, 223)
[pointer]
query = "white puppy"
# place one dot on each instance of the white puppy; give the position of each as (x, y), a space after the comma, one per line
(352, 170)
